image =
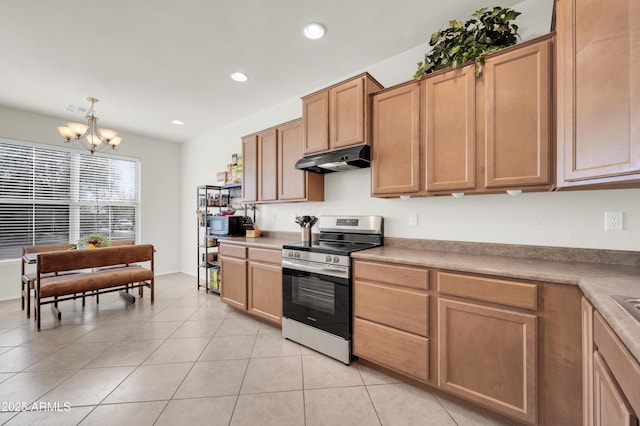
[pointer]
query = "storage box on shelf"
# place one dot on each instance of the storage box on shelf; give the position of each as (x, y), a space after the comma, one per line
(212, 199)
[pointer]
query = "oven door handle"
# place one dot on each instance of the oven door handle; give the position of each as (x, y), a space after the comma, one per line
(333, 271)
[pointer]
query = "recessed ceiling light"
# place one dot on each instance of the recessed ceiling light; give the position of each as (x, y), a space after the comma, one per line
(178, 122)
(314, 31)
(239, 76)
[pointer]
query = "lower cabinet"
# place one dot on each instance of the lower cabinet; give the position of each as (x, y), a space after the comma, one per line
(611, 376)
(252, 280)
(233, 275)
(489, 355)
(488, 343)
(391, 317)
(264, 279)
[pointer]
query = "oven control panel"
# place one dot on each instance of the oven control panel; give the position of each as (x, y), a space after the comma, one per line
(308, 256)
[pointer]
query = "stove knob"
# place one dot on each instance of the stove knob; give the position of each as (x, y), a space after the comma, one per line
(297, 255)
(336, 259)
(328, 259)
(290, 254)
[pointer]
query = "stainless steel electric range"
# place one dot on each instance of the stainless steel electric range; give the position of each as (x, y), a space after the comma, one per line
(316, 283)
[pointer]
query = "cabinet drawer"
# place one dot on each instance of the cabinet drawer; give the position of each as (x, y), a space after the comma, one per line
(392, 274)
(394, 349)
(265, 255)
(233, 251)
(520, 295)
(399, 308)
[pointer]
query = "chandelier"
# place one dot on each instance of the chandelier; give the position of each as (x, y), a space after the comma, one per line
(88, 135)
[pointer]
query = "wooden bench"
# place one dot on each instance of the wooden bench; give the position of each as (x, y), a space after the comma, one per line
(29, 278)
(67, 282)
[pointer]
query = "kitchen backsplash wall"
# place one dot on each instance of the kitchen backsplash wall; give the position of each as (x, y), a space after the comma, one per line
(560, 219)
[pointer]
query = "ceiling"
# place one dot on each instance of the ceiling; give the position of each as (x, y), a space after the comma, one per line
(152, 61)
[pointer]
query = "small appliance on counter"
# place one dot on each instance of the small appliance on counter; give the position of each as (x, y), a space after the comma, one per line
(227, 226)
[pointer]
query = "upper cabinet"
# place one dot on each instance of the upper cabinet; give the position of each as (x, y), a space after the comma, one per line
(449, 106)
(598, 92)
(250, 168)
(396, 151)
(268, 165)
(517, 116)
(270, 175)
(468, 134)
(338, 117)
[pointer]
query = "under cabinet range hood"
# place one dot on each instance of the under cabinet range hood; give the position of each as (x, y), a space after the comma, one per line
(357, 157)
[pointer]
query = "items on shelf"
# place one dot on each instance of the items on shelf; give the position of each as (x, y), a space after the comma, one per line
(214, 279)
(213, 201)
(233, 173)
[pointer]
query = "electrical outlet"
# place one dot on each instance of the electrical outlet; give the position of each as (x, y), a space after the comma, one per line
(413, 219)
(613, 221)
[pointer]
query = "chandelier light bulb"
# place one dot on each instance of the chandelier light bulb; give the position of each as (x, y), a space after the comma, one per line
(108, 134)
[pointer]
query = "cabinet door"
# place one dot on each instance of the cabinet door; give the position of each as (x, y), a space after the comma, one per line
(489, 356)
(396, 141)
(265, 291)
(598, 90)
(233, 283)
(518, 108)
(609, 404)
(250, 168)
(315, 122)
(346, 114)
(267, 166)
(449, 112)
(291, 182)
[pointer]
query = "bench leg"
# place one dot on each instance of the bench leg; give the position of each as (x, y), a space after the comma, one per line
(36, 310)
(22, 294)
(83, 299)
(126, 296)
(56, 312)
(28, 295)
(97, 298)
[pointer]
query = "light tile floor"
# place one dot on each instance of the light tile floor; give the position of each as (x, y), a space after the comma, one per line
(189, 359)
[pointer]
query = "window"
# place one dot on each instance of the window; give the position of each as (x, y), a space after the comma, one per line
(54, 196)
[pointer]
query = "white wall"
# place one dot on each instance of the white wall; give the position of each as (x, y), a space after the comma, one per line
(159, 188)
(563, 219)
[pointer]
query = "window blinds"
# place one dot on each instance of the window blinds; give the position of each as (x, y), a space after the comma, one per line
(53, 196)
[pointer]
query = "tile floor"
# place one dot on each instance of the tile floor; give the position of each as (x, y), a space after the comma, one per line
(189, 359)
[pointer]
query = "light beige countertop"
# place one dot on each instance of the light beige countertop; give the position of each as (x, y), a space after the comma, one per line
(597, 281)
(270, 240)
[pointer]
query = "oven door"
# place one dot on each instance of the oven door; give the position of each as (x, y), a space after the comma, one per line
(312, 297)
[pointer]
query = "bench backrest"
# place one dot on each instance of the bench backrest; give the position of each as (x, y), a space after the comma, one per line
(59, 261)
(50, 247)
(116, 243)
